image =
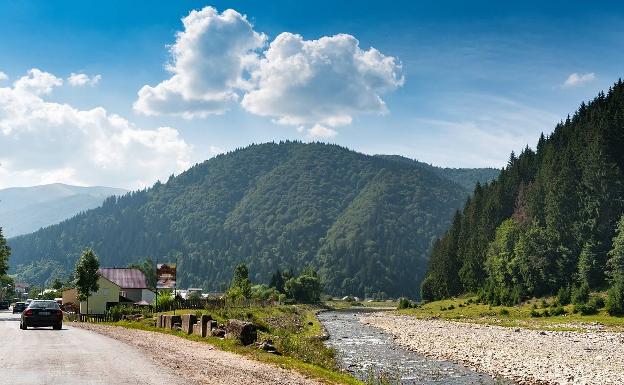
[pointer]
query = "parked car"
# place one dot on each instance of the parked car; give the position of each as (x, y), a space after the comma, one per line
(4, 305)
(40, 313)
(19, 307)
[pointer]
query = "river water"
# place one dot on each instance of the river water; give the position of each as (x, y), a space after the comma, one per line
(363, 349)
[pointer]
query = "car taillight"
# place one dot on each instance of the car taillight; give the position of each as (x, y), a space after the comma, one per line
(28, 313)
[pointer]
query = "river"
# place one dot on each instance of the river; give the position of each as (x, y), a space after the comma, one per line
(363, 349)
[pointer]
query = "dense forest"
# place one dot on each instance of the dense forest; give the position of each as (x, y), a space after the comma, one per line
(366, 223)
(548, 222)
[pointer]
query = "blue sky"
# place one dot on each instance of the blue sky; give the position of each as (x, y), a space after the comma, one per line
(467, 82)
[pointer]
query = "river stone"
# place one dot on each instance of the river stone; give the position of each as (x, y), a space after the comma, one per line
(245, 332)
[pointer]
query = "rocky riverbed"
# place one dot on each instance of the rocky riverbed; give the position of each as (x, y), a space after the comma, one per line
(364, 350)
(523, 355)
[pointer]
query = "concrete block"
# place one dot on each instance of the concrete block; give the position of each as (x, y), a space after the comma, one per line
(188, 320)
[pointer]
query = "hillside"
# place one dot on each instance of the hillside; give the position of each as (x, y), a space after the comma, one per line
(27, 209)
(548, 221)
(366, 222)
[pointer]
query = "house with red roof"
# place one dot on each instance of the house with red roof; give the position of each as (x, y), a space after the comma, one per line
(132, 284)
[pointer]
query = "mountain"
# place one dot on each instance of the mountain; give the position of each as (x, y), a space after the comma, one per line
(465, 177)
(548, 221)
(27, 209)
(366, 223)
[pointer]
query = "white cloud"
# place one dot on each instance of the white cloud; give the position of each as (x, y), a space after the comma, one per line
(321, 82)
(3, 76)
(324, 82)
(43, 141)
(577, 79)
(80, 80)
(209, 61)
(320, 132)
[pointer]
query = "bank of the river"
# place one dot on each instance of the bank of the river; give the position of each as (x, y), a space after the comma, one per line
(524, 355)
(363, 350)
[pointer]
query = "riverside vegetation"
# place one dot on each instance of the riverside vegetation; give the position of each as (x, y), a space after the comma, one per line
(551, 223)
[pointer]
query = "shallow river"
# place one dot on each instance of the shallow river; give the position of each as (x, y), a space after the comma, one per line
(363, 349)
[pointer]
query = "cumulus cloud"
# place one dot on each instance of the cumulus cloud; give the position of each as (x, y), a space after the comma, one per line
(210, 58)
(320, 132)
(3, 76)
(325, 81)
(577, 79)
(44, 141)
(216, 61)
(81, 80)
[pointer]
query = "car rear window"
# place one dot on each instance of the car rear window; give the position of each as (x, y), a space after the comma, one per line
(44, 305)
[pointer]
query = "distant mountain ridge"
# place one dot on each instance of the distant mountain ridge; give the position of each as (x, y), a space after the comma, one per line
(27, 209)
(366, 223)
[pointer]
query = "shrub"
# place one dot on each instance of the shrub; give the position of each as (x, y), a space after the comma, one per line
(615, 300)
(504, 312)
(585, 309)
(405, 303)
(450, 307)
(564, 296)
(535, 313)
(559, 310)
(580, 294)
(544, 303)
(597, 302)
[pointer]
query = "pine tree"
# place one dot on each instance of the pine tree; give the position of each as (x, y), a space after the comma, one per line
(5, 253)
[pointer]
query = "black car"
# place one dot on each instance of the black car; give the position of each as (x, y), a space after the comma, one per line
(19, 307)
(4, 305)
(42, 313)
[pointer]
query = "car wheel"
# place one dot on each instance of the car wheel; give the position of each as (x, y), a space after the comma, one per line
(23, 327)
(59, 326)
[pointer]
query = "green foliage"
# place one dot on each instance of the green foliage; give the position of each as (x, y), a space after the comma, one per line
(86, 274)
(585, 309)
(306, 288)
(164, 300)
(148, 267)
(5, 253)
(580, 294)
(405, 303)
(547, 221)
(241, 286)
(263, 292)
(615, 298)
(564, 295)
(366, 223)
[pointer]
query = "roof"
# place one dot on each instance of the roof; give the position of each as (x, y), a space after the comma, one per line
(125, 278)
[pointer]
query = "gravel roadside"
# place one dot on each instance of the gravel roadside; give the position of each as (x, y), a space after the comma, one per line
(199, 362)
(523, 355)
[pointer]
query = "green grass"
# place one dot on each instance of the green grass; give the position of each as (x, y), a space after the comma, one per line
(294, 330)
(466, 309)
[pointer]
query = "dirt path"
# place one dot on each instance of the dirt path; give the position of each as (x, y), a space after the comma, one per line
(523, 355)
(199, 362)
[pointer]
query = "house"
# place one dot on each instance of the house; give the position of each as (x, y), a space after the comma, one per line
(106, 296)
(132, 284)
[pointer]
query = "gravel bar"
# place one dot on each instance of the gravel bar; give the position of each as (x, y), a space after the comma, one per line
(522, 355)
(200, 363)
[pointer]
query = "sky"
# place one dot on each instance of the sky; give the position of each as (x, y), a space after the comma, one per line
(122, 93)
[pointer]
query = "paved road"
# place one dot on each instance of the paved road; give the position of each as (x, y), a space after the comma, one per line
(72, 356)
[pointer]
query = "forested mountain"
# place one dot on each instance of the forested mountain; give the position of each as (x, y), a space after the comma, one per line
(466, 177)
(27, 209)
(548, 221)
(367, 223)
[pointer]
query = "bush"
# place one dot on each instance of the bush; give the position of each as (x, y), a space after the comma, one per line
(405, 303)
(585, 309)
(564, 296)
(597, 302)
(559, 310)
(615, 300)
(504, 312)
(580, 294)
(544, 303)
(450, 307)
(535, 313)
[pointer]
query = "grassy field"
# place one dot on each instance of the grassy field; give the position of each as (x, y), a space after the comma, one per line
(294, 330)
(525, 315)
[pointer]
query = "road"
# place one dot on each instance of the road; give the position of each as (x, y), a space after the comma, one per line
(72, 356)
